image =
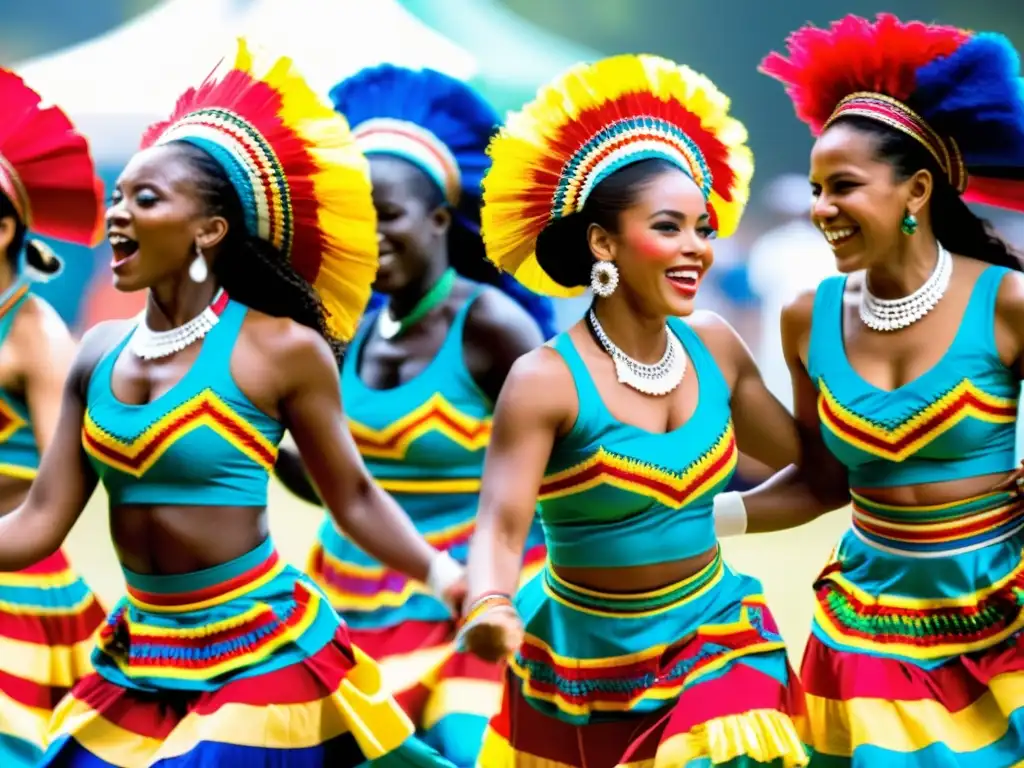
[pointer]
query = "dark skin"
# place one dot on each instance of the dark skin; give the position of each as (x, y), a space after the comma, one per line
(855, 189)
(285, 369)
(413, 254)
(666, 227)
(34, 363)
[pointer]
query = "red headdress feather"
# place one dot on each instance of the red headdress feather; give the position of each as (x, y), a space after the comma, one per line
(46, 168)
(826, 65)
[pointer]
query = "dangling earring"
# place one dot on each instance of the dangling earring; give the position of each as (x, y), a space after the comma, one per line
(604, 278)
(909, 225)
(197, 270)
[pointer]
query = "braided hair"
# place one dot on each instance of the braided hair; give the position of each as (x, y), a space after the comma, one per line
(251, 270)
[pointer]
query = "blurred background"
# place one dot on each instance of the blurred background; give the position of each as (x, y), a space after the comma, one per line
(117, 65)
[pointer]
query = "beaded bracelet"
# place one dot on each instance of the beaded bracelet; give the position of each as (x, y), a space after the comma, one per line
(484, 604)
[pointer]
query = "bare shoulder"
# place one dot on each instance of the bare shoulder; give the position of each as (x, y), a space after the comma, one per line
(93, 346)
(722, 340)
(541, 383)
(37, 320)
(1010, 299)
(496, 318)
(283, 343)
(795, 319)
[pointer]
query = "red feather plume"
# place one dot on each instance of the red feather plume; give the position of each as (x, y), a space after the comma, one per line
(53, 164)
(854, 54)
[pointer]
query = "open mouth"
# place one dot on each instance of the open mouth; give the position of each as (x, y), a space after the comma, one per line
(839, 236)
(684, 279)
(124, 249)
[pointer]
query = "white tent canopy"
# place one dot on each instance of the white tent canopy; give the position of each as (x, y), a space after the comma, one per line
(116, 84)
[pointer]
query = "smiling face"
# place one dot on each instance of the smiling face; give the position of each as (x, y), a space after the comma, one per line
(859, 203)
(412, 222)
(156, 218)
(663, 244)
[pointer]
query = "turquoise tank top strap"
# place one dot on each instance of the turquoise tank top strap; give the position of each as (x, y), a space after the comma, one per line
(709, 375)
(452, 346)
(978, 326)
(586, 389)
(826, 325)
(215, 354)
(350, 362)
(7, 320)
(10, 302)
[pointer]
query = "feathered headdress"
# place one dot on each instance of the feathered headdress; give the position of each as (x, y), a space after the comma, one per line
(442, 126)
(46, 169)
(303, 183)
(591, 121)
(959, 93)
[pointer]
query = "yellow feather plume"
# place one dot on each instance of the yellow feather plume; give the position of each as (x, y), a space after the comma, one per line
(548, 154)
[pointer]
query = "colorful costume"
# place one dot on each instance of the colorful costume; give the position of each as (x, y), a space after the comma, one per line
(48, 617)
(424, 440)
(244, 663)
(916, 657)
(693, 673)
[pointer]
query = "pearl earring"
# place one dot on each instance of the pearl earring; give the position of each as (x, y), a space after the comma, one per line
(198, 271)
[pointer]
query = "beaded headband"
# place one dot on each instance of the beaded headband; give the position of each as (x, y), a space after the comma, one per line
(622, 143)
(251, 166)
(411, 142)
(894, 113)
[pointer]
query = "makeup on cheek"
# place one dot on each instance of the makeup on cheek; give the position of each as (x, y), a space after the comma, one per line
(653, 245)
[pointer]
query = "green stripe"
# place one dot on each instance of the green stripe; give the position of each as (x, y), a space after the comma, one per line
(627, 603)
(914, 514)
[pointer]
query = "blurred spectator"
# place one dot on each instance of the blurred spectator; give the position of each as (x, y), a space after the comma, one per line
(788, 259)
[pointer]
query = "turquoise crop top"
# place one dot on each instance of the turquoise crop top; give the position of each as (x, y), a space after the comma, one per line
(423, 441)
(615, 495)
(19, 454)
(202, 443)
(956, 420)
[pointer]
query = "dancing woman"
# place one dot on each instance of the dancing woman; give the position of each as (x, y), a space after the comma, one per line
(419, 382)
(47, 615)
(248, 218)
(916, 657)
(618, 175)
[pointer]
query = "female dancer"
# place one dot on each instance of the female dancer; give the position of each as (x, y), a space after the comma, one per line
(47, 615)
(917, 656)
(248, 218)
(420, 382)
(618, 175)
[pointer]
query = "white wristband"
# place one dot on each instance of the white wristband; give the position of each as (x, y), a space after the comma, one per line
(442, 574)
(730, 514)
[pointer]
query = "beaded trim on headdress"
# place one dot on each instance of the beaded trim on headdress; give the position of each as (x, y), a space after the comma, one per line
(46, 169)
(401, 138)
(303, 183)
(958, 93)
(588, 123)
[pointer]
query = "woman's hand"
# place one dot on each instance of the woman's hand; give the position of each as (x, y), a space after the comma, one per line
(495, 635)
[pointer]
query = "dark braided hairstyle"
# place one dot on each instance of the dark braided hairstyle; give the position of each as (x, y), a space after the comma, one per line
(251, 270)
(20, 231)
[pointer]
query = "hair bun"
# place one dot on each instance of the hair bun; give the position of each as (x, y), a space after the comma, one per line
(564, 253)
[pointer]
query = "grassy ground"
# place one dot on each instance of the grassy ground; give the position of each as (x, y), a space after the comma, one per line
(785, 562)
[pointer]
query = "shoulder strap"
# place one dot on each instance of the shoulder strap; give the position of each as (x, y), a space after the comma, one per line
(979, 321)
(586, 389)
(826, 325)
(7, 319)
(452, 345)
(700, 356)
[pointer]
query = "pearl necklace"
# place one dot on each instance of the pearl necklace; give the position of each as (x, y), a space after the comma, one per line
(894, 314)
(658, 379)
(151, 345)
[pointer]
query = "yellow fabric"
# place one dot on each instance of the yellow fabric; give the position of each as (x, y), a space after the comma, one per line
(530, 142)
(762, 734)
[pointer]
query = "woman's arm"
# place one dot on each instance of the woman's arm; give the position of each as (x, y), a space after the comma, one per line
(65, 480)
(797, 494)
(529, 415)
(312, 412)
(45, 352)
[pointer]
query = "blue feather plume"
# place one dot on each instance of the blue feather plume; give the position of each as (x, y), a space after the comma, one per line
(464, 122)
(977, 95)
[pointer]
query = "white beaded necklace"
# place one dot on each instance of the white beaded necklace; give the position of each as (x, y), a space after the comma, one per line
(894, 314)
(657, 379)
(151, 345)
